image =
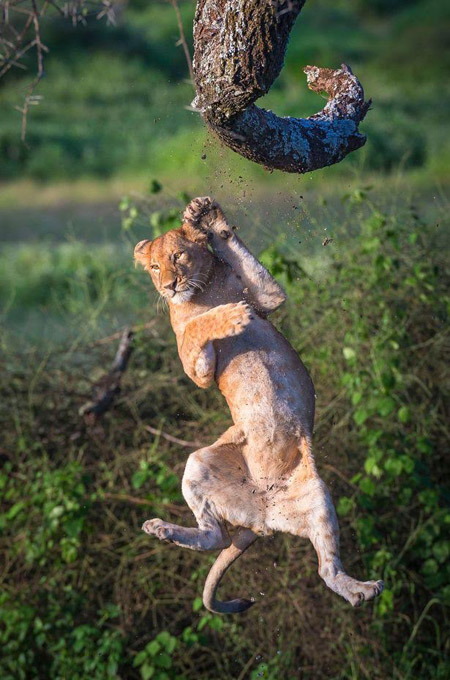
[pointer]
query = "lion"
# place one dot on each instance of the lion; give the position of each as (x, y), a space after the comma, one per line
(259, 477)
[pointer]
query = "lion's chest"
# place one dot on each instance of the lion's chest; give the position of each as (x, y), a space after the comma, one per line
(264, 382)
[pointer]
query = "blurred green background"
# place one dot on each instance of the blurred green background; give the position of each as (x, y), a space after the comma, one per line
(112, 155)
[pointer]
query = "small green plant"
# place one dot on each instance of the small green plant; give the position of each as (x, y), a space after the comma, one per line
(60, 504)
(139, 211)
(279, 264)
(155, 660)
(156, 471)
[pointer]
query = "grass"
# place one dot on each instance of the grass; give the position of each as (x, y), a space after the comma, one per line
(86, 594)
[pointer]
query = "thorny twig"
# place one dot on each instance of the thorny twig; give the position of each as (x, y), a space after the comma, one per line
(20, 32)
(182, 41)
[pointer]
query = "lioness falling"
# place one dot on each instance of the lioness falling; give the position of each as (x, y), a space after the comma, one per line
(259, 476)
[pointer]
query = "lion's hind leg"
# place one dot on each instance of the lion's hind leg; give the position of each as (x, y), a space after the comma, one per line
(210, 535)
(308, 511)
(323, 531)
(216, 488)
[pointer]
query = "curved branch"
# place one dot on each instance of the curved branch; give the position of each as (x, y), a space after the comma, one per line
(239, 48)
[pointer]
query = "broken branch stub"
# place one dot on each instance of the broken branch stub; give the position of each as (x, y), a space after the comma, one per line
(239, 48)
(108, 387)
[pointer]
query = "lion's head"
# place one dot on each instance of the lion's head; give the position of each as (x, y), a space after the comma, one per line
(178, 262)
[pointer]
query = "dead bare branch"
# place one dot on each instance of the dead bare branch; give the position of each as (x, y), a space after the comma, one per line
(108, 387)
(20, 33)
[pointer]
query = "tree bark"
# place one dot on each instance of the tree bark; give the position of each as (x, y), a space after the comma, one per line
(239, 48)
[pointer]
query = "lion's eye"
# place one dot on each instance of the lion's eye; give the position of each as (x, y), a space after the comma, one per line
(178, 255)
(155, 267)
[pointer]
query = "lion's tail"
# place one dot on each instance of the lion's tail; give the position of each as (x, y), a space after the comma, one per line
(242, 539)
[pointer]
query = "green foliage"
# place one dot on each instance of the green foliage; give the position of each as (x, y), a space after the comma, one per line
(399, 299)
(155, 660)
(138, 211)
(58, 497)
(167, 484)
(280, 265)
(31, 638)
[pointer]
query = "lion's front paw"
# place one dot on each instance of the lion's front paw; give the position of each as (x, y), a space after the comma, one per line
(235, 317)
(158, 528)
(205, 214)
(197, 209)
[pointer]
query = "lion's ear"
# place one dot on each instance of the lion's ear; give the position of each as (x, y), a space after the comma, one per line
(194, 233)
(142, 252)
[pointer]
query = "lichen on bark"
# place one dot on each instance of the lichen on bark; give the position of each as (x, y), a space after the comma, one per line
(239, 49)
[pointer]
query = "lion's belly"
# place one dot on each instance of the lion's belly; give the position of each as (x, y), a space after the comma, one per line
(268, 389)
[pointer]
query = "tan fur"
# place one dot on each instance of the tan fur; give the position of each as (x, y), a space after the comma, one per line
(260, 475)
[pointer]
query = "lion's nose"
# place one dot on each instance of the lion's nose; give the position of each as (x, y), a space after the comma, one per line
(171, 286)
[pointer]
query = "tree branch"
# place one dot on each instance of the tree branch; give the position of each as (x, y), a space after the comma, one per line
(239, 48)
(108, 387)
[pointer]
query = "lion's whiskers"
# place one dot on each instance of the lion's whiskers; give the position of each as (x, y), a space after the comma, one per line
(198, 276)
(195, 284)
(198, 285)
(161, 304)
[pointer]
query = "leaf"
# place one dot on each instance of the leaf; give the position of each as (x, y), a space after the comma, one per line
(386, 602)
(441, 551)
(404, 414)
(124, 203)
(356, 398)
(407, 463)
(15, 509)
(155, 186)
(385, 406)
(153, 648)
(203, 621)
(56, 512)
(367, 486)
(430, 567)
(147, 671)
(349, 353)
(360, 416)
(216, 623)
(139, 478)
(197, 604)
(393, 466)
(371, 467)
(388, 380)
(345, 506)
(371, 244)
(140, 658)
(167, 640)
(163, 660)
